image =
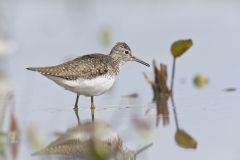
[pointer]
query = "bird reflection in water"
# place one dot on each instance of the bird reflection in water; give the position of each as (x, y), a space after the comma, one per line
(92, 140)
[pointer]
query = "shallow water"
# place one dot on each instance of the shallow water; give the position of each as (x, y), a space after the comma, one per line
(50, 32)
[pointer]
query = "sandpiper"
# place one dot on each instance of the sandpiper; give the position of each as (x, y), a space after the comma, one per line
(89, 140)
(92, 74)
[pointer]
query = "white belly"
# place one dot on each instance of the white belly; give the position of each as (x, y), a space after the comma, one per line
(92, 87)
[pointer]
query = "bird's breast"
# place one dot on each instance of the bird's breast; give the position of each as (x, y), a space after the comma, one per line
(88, 87)
(95, 86)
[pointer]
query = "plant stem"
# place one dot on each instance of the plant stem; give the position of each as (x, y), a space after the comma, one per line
(173, 74)
(174, 112)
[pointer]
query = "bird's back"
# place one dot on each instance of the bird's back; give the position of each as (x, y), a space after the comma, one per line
(86, 67)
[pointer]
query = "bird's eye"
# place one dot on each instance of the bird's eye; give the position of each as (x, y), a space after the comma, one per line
(126, 52)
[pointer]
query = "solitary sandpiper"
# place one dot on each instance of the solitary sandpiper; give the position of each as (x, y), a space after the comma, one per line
(92, 74)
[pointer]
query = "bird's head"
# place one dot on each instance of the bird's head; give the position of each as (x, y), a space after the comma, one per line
(122, 53)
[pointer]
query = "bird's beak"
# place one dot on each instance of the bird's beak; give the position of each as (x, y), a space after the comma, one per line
(143, 149)
(140, 61)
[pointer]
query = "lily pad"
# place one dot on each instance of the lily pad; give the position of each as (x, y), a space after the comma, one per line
(183, 139)
(181, 46)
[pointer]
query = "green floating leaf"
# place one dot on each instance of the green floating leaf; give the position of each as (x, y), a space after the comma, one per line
(181, 46)
(200, 80)
(183, 139)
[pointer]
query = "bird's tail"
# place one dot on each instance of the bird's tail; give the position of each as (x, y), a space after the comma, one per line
(45, 70)
(41, 152)
(32, 69)
(42, 70)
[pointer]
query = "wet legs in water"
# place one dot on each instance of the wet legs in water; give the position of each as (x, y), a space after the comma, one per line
(76, 113)
(92, 108)
(76, 102)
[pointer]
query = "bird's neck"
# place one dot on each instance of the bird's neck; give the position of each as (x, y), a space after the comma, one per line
(117, 63)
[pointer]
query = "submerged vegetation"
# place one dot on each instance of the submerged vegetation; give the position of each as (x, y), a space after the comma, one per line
(161, 94)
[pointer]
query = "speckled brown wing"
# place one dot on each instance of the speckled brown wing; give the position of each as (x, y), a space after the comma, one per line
(86, 67)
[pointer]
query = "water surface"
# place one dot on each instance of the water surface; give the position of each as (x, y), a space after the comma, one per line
(51, 32)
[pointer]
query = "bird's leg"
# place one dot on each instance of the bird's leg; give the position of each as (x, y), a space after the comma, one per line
(76, 102)
(76, 113)
(92, 108)
(92, 103)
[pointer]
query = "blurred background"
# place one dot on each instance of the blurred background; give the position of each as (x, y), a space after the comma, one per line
(42, 33)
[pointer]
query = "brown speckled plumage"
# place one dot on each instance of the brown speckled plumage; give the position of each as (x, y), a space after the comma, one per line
(80, 140)
(86, 67)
